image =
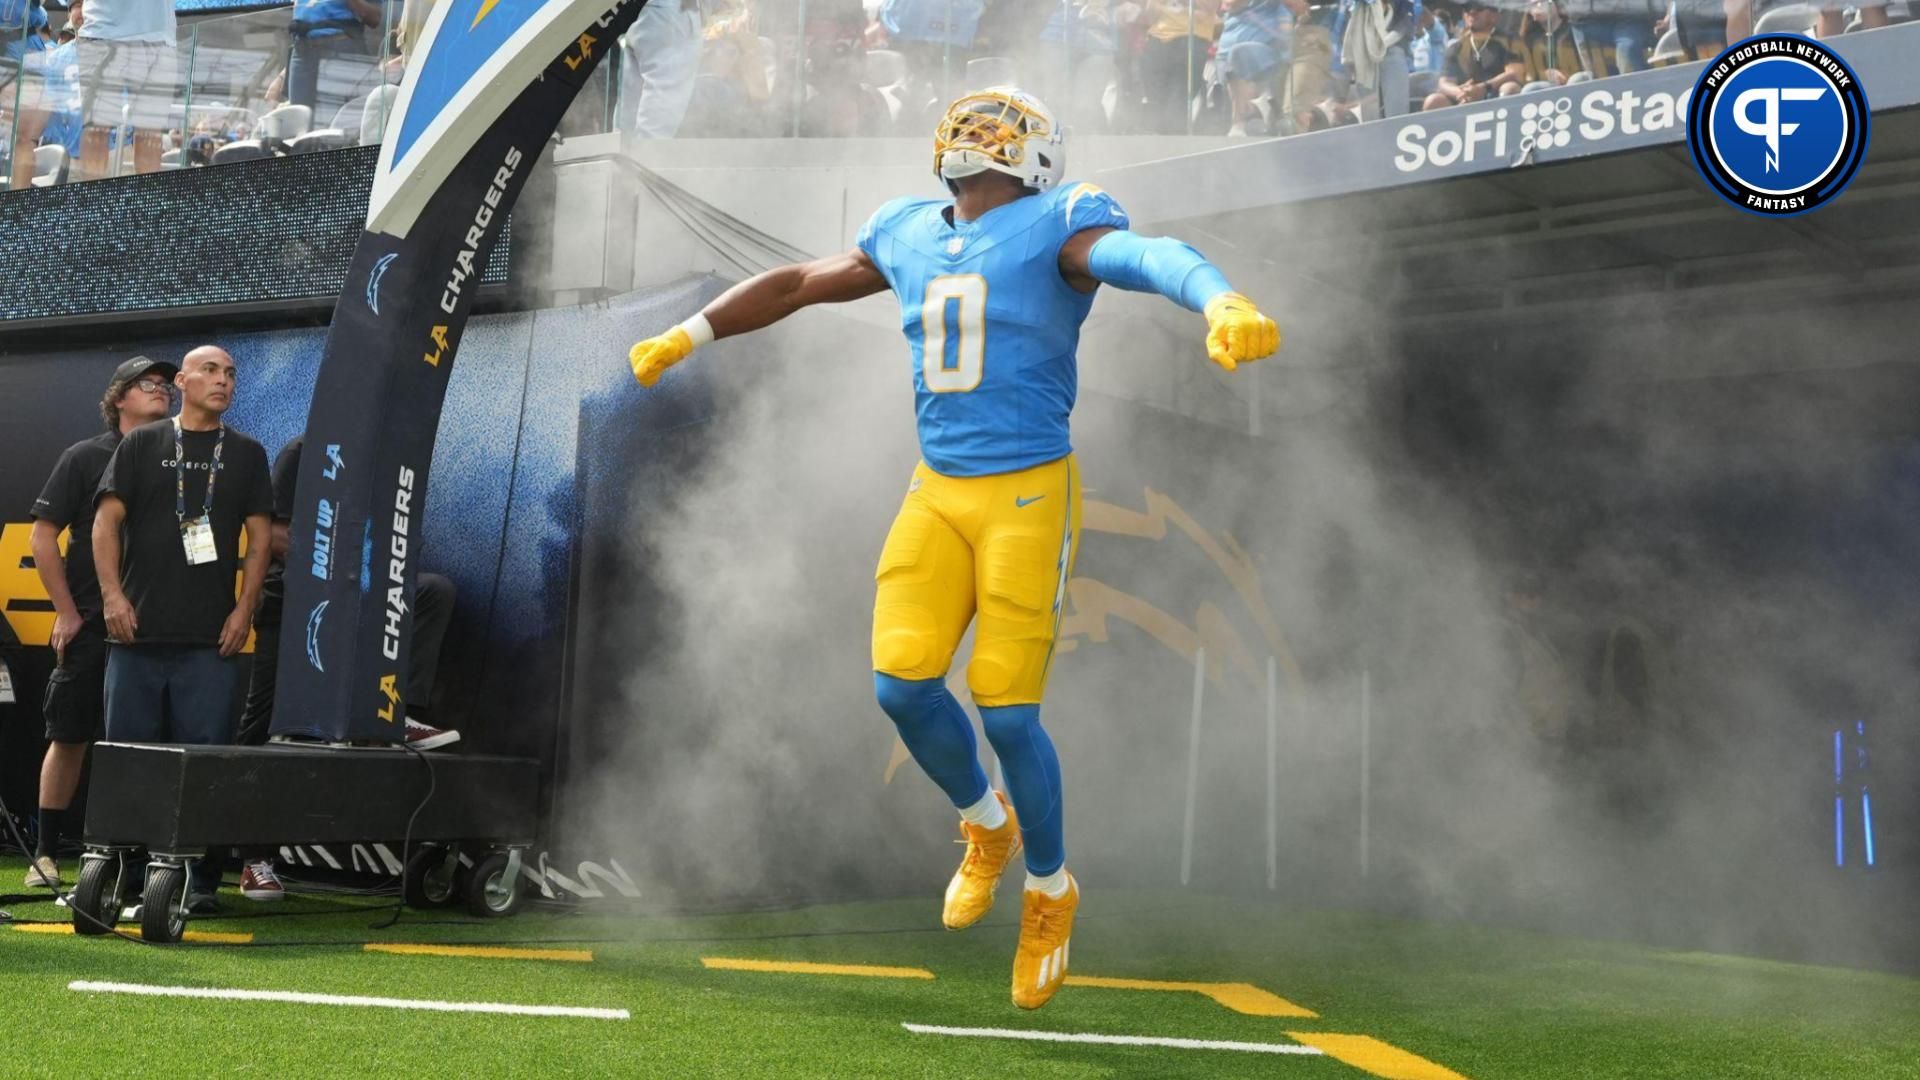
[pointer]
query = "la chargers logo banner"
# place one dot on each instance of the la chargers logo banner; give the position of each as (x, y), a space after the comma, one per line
(486, 88)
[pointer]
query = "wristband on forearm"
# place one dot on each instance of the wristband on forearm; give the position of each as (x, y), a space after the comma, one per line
(698, 330)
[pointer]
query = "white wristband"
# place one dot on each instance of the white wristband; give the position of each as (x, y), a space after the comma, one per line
(698, 329)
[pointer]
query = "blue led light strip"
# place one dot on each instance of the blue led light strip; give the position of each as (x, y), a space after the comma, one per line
(1839, 803)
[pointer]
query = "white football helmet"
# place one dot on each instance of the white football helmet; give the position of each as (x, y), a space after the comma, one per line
(1005, 129)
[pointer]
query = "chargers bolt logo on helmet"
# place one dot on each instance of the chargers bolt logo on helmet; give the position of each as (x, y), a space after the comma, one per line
(1004, 129)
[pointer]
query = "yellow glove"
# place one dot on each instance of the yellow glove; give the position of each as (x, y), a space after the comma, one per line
(652, 357)
(1237, 333)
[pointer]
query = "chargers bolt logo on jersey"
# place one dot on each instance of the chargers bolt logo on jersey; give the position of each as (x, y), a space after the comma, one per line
(1778, 125)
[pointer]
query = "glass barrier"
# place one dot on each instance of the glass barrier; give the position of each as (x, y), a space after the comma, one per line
(231, 88)
(264, 84)
(238, 87)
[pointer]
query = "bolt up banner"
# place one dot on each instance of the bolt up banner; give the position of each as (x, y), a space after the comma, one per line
(486, 87)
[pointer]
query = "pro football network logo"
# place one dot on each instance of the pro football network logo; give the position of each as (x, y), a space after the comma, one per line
(1778, 125)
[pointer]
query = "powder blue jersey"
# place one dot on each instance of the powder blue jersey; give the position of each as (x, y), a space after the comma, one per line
(992, 323)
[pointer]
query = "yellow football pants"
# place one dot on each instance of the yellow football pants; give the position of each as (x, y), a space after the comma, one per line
(998, 546)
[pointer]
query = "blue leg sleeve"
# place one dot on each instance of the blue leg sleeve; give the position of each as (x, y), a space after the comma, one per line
(1157, 264)
(1033, 782)
(937, 732)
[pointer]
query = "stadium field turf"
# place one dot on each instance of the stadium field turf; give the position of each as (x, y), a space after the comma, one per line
(1414, 1000)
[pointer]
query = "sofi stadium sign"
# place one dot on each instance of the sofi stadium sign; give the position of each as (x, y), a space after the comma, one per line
(1555, 123)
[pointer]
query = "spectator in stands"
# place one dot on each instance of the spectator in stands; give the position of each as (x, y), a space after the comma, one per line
(25, 51)
(21, 24)
(731, 94)
(1700, 32)
(1613, 35)
(127, 73)
(1075, 62)
(1426, 53)
(659, 62)
(1739, 15)
(140, 392)
(1374, 50)
(1833, 17)
(1545, 43)
(61, 95)
(172, 506)
(1174, 62)
(838, 103)
(325, 31)
(1479, 65)
(936, 37)
(1254, 39)
(1310, 82)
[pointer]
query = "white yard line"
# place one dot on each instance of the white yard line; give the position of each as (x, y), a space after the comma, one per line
(1116, 1040)
(346, 999)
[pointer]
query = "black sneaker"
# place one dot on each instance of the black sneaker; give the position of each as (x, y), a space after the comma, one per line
(202, 903)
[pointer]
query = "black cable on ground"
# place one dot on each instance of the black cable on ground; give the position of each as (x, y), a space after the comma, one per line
(406, 839)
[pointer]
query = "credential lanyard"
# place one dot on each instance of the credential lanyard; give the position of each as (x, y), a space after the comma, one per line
(180, 472)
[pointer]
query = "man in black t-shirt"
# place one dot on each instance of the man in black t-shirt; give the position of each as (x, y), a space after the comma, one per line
(140, 392)
(1479, 65)
(174, 501)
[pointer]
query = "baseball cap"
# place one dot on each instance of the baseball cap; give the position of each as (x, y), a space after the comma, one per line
(133, 369)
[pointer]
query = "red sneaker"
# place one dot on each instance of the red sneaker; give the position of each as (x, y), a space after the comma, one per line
(258, 882)
(427, 737)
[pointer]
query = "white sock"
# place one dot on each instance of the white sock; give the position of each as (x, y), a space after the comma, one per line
(1054, 884)
(987, 813)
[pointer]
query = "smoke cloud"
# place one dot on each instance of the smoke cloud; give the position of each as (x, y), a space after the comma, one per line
(1608, 608)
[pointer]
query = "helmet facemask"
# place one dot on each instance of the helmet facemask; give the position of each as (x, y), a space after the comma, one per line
(1003, 130)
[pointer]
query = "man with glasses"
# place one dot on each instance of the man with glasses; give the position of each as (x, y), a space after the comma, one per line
(166, 532)
(140, 392)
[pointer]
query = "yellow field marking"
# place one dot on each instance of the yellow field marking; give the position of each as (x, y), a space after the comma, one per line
(484, 952)
(209, 936)
(1371, 1055)
(1240, 997)
(797, 967)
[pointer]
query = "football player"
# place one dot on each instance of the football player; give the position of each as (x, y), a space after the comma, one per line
(993, 285)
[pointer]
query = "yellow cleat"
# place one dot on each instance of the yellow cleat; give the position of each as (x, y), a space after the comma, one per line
(1040, 966)
(970, 893)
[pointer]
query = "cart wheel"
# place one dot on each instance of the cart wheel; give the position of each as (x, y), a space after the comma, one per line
(96, 896)
(432, 877)
(161, 918)
(489, 893)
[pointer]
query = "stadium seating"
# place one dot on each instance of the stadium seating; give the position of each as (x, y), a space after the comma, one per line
(323, 139)
(285, 123)
(49, 166)
(244, 150)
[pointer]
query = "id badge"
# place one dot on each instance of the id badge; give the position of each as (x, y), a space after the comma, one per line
(6, 684)
(197, 537)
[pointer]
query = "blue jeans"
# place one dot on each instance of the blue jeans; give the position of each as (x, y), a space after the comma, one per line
(171, 694)
(659, 61)
(1628, 35)
(303, 71)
